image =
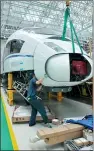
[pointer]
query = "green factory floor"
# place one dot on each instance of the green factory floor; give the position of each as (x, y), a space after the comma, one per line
(6, 142)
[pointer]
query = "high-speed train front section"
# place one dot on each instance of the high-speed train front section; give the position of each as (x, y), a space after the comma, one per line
(46, 55)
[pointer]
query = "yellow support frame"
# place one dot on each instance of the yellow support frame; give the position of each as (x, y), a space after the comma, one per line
(59, 96)
(10, 89)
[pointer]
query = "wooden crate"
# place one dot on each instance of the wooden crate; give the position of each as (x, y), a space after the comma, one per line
(23, 113)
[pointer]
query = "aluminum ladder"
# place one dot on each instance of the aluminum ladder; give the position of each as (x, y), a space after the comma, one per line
(21, 88)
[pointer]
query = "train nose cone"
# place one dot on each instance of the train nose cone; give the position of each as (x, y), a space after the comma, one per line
(58, 68)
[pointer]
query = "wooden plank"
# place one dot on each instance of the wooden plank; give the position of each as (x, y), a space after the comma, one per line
(57, 131)
(62, 138)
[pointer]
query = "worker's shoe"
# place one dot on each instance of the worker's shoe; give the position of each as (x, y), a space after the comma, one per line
(32, 124)
(34, 140)
(48, 125)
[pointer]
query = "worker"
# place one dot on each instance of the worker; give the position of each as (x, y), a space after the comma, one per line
(36, 104)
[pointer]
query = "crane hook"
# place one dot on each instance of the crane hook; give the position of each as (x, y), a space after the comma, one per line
(68, 2)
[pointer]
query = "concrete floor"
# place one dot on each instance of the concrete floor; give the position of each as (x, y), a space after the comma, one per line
(65, 109)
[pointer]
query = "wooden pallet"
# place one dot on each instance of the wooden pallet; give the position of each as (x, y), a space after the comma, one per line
(23, 113)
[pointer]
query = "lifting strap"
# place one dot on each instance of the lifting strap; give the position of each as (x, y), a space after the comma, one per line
(66, 16)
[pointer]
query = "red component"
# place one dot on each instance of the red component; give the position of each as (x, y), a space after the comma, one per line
(79, 67)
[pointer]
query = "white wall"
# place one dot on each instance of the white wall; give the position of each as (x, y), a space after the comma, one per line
(2, 50)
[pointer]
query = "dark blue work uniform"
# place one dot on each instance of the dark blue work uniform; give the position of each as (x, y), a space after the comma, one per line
(35, 103)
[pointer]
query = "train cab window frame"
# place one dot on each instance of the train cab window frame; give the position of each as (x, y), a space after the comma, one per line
(13, 46)
(16, 46)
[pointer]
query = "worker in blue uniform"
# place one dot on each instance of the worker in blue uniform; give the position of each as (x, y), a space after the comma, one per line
(36, 104)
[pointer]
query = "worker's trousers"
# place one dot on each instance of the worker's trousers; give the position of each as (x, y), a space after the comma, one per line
(37, 106)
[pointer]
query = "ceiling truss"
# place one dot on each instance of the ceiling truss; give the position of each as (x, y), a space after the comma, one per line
(19, 14)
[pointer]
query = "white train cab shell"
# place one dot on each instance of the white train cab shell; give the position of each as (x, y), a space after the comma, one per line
(47, 54)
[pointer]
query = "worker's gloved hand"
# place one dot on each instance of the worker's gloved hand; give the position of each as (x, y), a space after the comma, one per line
(41, 80)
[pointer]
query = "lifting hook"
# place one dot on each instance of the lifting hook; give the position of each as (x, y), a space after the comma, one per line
(68, 2)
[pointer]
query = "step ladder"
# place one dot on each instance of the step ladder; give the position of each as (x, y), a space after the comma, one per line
(21, 88)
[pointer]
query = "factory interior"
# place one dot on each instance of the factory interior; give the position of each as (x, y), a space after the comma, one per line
(46, 78)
